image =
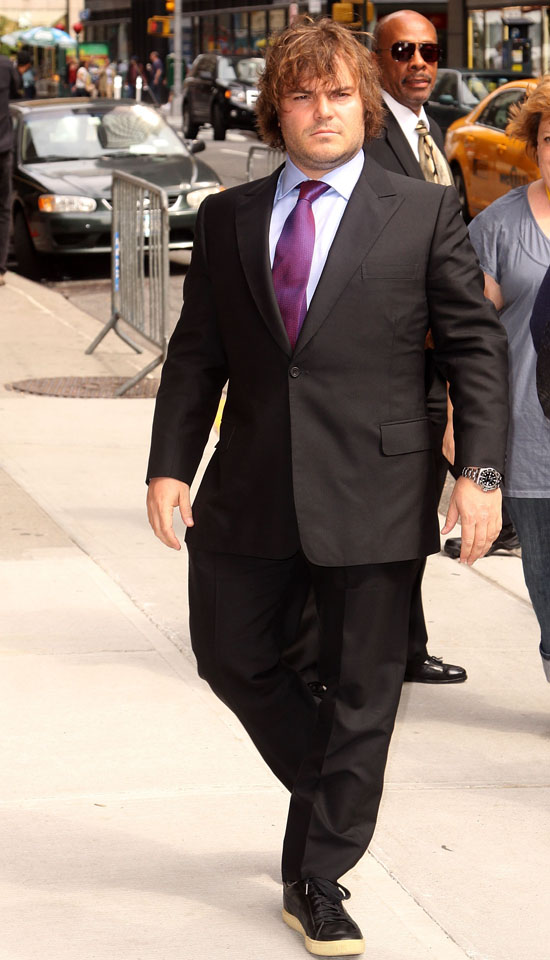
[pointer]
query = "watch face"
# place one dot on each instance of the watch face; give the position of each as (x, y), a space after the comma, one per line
(489, 479)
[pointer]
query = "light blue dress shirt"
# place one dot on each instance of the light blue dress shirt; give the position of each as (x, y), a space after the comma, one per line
(328, 209)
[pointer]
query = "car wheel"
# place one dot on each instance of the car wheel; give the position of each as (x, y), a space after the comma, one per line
(190, 129)
(218, 123)
(461, 190)
(28, 260)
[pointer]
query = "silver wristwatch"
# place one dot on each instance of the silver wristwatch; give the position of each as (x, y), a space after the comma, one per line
(486, 477)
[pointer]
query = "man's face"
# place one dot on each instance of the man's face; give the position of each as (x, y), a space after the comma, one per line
(410, 82)
(322, 122)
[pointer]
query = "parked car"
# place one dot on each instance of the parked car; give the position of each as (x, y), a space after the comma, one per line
(65, 154)
(485, 162)
(458, 91)
(221, 90)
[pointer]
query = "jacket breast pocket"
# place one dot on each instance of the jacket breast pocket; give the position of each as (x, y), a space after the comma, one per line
(386, 270)
(405, 436)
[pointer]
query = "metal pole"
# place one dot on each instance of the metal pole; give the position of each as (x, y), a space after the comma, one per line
(177, 49)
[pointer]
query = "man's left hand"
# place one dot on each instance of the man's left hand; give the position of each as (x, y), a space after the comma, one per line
(480, 515)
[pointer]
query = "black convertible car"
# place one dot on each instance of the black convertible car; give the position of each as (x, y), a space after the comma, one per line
(65, 154)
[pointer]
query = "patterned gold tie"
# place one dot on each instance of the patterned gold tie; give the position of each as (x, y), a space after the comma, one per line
(432, 162)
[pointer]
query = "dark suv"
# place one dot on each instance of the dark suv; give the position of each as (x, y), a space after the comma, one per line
(220, 90)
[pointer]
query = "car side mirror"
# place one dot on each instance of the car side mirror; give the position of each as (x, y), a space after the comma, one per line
(447, 100)
(195, 146)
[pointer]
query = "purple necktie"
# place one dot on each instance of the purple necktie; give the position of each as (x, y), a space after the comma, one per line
(293, 255)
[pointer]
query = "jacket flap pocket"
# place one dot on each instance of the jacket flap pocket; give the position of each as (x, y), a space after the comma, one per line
(386, 270)
(405, 436)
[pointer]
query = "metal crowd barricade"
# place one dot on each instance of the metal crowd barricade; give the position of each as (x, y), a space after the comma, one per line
(262, 160)
(139, 239)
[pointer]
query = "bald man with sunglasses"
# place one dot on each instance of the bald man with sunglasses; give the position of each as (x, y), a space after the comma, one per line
(406, 49)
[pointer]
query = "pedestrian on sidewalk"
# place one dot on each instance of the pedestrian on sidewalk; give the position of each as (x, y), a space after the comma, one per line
(10, 89)
(512, 240)
(311, 291)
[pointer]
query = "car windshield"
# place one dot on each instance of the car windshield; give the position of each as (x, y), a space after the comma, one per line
(76, 134)
(475, 88)
(247, 69)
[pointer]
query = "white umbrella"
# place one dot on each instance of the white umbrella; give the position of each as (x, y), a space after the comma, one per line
(46, 37)
(11, 39)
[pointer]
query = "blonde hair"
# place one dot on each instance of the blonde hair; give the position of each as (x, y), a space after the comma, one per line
(525, 117)
(311, 49)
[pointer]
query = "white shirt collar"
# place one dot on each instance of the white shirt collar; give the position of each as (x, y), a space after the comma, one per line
(406, 118)
(342, 179)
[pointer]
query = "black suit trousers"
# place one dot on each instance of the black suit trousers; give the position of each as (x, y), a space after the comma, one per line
(330, 755)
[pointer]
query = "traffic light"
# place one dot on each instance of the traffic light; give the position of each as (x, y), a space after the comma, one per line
(160, 26)
(345, 12)
(169, 5)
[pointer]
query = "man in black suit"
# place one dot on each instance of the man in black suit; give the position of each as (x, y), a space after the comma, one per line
(406, 48)
(324, 470)
(407, 83)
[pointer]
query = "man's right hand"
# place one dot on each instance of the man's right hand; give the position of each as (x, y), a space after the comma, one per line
(163, 496)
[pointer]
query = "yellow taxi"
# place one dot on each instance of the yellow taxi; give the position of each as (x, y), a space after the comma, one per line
(485, 162)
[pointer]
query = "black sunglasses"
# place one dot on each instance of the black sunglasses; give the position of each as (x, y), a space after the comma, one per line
(404, 50)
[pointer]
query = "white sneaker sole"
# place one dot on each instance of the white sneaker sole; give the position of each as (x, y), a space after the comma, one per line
(325, 948)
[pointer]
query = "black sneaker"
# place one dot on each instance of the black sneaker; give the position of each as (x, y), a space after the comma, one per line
(314, 908)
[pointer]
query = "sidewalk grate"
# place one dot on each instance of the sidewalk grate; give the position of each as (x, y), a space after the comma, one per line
(91, 387)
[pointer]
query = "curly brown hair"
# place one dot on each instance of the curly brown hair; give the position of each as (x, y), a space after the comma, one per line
(311, 49)
(525, 117)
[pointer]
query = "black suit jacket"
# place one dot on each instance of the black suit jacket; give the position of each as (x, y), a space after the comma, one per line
(392, 149)
(393, 152)
(328, 447)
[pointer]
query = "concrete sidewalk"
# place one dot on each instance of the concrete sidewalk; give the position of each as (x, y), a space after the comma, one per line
(138, 823)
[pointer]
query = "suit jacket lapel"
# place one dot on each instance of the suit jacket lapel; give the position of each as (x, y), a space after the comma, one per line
(371, 205)
(253, 215)
(398, 142)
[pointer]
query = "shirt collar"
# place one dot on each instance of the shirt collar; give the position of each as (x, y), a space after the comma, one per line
(406, 118)
(342, 179)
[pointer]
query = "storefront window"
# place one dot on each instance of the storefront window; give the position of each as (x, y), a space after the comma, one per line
(509, 39)
(258, 29)
(224, 39)
(208, 25)
(277, 20)
(240, 28)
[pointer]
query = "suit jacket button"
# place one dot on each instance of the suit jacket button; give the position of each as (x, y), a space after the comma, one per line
(295, 371)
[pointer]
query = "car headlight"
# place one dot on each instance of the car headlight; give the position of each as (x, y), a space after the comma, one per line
(239, 96)
(195, 197)
(55, 203)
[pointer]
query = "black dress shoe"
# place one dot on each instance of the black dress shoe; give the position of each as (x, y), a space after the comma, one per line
(314, 908)
(317, 688)
(506, 541)
(433, 670)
